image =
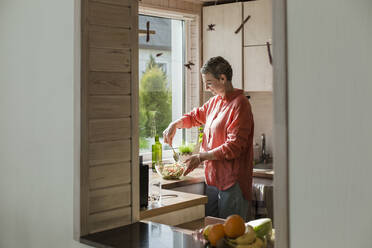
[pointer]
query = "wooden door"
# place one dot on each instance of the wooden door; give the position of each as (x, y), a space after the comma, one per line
(222, 41)
(109, 129)
(258, 29)
(258, 71)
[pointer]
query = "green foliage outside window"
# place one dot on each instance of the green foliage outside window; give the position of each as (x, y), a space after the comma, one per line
(155, 103)
(186, 149)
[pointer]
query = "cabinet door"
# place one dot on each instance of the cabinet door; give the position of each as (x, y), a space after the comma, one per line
(258, 72)
(258, 29)
(223, 41)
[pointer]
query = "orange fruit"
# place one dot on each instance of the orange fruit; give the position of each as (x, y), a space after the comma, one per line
(216, 232)
(234, 226)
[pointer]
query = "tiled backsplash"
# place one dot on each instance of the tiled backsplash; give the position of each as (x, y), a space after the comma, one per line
(262, 109)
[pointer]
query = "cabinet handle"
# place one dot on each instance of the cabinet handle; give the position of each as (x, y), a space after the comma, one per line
(241, 25)
(269, 53)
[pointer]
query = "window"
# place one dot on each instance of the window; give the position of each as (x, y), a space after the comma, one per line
(163, 66)
(161, 80)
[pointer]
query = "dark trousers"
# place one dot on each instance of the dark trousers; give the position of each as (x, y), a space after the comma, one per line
(223, 203)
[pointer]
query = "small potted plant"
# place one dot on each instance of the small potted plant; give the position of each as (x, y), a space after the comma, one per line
(185, 151)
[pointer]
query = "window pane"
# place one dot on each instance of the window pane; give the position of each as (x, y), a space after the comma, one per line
(161, 84)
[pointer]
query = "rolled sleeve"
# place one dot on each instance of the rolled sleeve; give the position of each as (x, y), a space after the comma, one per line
(196, 117)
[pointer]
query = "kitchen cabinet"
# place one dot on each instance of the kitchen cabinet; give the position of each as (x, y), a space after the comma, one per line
(246, 51)
(222, 41)
(258, 72)
(258, 29)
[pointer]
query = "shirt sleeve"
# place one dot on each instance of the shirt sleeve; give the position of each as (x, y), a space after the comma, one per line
(238, 134)
(196, 117)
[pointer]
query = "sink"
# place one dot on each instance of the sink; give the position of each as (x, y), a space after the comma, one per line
(267, 166)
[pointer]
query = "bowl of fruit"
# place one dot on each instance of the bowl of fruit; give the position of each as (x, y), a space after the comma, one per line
(235, 233)
(170, 171)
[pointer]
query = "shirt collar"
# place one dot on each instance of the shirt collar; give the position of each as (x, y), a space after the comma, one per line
(231, 95)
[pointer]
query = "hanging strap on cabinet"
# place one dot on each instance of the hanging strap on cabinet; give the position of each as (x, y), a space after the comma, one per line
(269, 53)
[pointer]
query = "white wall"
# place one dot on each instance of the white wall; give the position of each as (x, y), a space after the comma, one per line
(330, 123)
(39, 136)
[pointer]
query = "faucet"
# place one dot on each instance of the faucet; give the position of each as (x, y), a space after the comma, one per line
(264, 155)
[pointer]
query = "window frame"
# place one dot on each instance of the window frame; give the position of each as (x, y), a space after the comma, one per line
(189, 100)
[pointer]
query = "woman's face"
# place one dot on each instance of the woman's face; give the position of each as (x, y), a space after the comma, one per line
(214, 85)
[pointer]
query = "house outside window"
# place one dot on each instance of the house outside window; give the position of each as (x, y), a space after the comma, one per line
(161, 81)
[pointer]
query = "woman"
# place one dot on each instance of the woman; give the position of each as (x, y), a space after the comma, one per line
(227, 148)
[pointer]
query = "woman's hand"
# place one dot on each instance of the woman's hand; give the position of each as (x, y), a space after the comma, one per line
(195, 160)
(170, 131)
(192, 162)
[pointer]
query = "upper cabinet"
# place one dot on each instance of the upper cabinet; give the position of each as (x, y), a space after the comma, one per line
(247, 51)
(219, 38)
(258, 71)
(258, 29)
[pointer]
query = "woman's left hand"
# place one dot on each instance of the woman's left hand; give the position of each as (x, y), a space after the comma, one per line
(192, 163)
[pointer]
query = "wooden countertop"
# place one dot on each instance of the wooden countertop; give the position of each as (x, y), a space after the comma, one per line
(263, 173)
(196, 176)
(263, 170)
(172, 201)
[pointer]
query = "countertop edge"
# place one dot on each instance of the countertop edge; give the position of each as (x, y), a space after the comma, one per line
(144, 214)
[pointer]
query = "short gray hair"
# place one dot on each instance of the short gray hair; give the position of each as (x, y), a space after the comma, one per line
(217, 66)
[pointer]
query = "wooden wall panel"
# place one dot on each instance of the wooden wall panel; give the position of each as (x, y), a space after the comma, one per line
(114, 60)
(109, 198)
(164, 2)
(115, 2)
(135, 173)
(109, 83)
(109, 15)
(109, 130)
(173, 4)
(107, 37)
(109, 175)
(110, 219)
(109, 116)
(109, 152)
(185, 6)
(109, 106)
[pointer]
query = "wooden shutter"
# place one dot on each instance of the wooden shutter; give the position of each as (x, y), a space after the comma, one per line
(109, 119)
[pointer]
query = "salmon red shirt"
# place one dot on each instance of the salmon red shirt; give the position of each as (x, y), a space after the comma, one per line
(228, 133)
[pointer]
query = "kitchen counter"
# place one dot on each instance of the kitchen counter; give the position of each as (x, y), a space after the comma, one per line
(180, 204)
(263, 173)
(196, 176)
(172, 201)
(176, 206)
(263, 170)
(149, 234)
(142, 234)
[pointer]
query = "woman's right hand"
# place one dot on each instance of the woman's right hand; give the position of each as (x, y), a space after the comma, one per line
(169, 133)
